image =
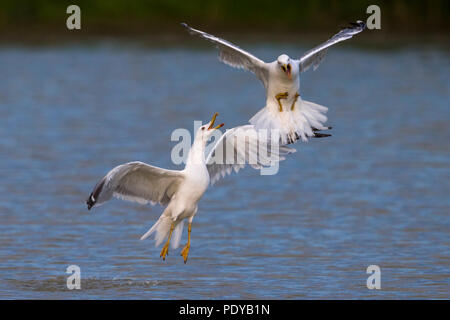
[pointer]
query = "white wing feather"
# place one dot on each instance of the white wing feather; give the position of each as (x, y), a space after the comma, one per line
(234, 56)
(138, 182)
(315, 56)
(240, 146)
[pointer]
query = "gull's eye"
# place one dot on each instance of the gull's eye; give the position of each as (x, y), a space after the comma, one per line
(203, 128)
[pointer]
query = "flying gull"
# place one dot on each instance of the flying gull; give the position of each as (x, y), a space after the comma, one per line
(181, 190)
(285, 111)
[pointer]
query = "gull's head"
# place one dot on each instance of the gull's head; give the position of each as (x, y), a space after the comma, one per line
(284, 62)
(207, 130)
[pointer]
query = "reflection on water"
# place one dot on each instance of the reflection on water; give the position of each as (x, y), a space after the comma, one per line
(376, 192)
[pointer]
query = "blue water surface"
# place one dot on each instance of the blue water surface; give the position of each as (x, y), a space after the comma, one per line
(375, 193)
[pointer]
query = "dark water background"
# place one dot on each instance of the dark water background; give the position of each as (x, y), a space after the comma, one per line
(376, 192)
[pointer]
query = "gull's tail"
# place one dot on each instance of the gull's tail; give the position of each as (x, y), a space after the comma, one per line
(162, 229)
(303, 122)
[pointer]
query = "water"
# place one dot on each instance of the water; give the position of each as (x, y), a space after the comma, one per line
(376, 192)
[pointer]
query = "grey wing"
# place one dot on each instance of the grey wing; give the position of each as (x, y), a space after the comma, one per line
(240, 146)
(315, 56)
(138, 182)
(234, 56)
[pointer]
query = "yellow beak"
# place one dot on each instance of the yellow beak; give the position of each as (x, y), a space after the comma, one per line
(214, 120)
(287, 69)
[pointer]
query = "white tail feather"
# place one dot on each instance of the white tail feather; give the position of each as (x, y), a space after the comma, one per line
(162, 229)
(305, 115)
(150, 231)
(176, 236)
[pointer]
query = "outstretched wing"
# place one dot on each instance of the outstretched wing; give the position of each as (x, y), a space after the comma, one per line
(315, 56)
(240, 146)
(234, 56)
(136, 181)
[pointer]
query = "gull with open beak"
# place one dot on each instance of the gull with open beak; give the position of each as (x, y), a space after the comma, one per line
(181, 190)
(285, 113)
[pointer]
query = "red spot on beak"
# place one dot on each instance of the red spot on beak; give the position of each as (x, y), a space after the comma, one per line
(288, 71)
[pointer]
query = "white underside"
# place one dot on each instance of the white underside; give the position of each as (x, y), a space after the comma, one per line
(305, 116)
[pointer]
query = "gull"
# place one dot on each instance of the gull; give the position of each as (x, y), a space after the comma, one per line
(285, 111)
(181, 190)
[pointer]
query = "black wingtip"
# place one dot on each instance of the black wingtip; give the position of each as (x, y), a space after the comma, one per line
(356, 25)
(325, 128)
(315, 134)
(321, 135)
(359, 24)
(90, 201)
(93, 197)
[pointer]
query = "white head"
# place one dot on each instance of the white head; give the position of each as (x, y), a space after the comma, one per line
(284, 62)
(207, 130)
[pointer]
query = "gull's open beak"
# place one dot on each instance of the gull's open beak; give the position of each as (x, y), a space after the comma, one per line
(287, 69)
(214, 120)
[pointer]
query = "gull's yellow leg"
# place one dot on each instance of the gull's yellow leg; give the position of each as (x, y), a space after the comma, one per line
(185, 250)
(281, 95)
(165, 249)
(295, 100)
